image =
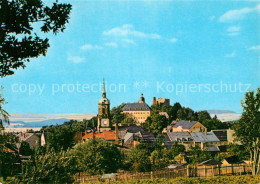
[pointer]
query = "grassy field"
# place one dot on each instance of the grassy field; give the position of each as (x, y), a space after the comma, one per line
(244, 179)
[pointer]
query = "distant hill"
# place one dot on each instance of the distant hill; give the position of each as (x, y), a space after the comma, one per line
(220, 111)
(224, 115)
(20, 120)
(19, 124)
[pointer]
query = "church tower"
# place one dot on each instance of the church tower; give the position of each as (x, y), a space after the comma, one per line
(103, 112)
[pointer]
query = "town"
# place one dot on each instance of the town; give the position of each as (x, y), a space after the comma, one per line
(179, 101)
(170, 140)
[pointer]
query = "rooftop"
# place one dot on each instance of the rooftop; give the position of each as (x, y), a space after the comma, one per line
(185, 124)
(106, 135)
(136, 107)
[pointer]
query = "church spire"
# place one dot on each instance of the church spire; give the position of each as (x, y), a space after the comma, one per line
(104, 89)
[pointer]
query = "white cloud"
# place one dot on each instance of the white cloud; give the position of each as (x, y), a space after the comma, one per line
(173, 40)
(129, 41)
(76, 59)
(128, 30)
(233, 30)
(90, 47)
(233, 54)
(111, 44)
(238, 14)
(256, 47)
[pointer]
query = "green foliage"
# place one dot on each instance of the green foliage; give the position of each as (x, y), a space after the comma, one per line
(96, 157)
(196, 155)
(238, 150)
(4, 116)
(116, 114)
(244, 179)
(129, 121)
(214, 124)
(247, 129)
(203, 116)
(159, 142)
(60, 137)
(8, 160)
(52, 167)
(160, 159)
(138, 159)
(25, 149)
(158, 123)
(175, 150)
(186, 114)
(18, 39)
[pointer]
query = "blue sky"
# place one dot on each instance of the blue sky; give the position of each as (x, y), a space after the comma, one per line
(150, 47)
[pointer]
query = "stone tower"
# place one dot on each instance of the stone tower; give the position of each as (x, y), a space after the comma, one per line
(103, 112)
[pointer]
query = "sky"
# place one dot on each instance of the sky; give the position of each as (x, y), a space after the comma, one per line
(202, 54)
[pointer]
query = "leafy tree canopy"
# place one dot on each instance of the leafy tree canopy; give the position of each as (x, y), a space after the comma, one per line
(97, 157)
(19, 40)
(247, 129)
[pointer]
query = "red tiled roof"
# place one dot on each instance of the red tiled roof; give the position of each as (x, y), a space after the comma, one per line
(106, 135)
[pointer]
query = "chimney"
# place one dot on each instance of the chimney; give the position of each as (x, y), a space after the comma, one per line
(117, 142)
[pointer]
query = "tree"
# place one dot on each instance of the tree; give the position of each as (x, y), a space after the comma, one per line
(214, 124)
(51, 167)
(175, 150)
(8, 157)
(174, 111)
(18, 40)
(203, 116)
(97, 157)
(247, 129)
(4, 116)
(160, 159)
(159, 142)
(138, 159)
(116, 114)
(196, 155)
(60, 137)
(25, 149)
(186, 114)
(158, 123)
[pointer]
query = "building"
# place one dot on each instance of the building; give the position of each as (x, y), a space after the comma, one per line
(232, 160)
(31, 138)
(206, 141)
(105, 135)
(138, 111)
(186, 126)
(132, 135)
(161, 101)
(226, 136)
(103, 116)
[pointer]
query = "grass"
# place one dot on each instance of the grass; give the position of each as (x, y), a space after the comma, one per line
(244, 179)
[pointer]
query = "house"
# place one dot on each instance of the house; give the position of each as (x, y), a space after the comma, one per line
(232, 160)
(210, 162)
(221, 135)
(183, 138)
(31, 138)
(106, 135)
(226, 136)
(186, 126)
(177, 166)
(132, 135)
(161, 101)
(138, 111)
(206, 141)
